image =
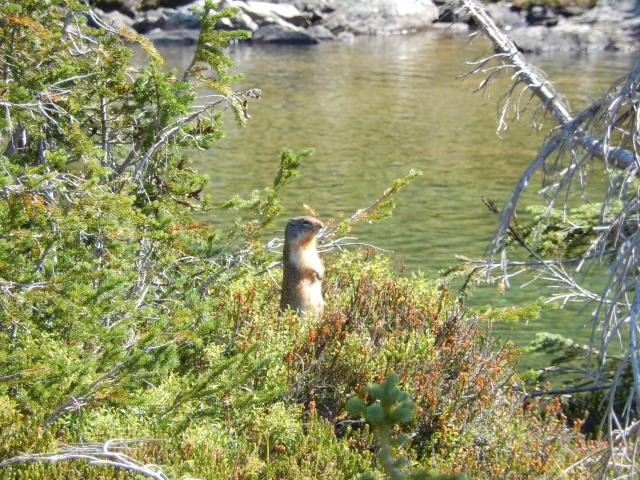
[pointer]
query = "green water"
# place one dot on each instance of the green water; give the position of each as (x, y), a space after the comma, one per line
(377, 107)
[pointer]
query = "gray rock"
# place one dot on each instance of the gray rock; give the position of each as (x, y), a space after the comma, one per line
(179, 37)
(288, 13)
(154, 4)
(571, 10)
(320, 32)
(181, 19)
(241, 21)
(282, 33)
(630, 6)
(150, 20)
(620, 19)
(534, 39)
(377, 17)
(128, 7)
(450, 13)
(564, 37)
(589, 38)
(541, 15)
(345, 36)
(323, 6)
(116, 18)
(456, 28)
(314, 15)
(608, 14)
(265, 12)
(610, 25)
(504, 16)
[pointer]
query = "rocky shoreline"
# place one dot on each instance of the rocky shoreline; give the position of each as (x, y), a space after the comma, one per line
(610, 25)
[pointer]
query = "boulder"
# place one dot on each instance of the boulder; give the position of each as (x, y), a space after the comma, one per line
(181, 19)
(241, 21)
(541, 15)
(505, 16)
(564, 37)
(450, 13)
(380, 17)
(265, 12)
(314, 15)
(320, 6)
(286, 12)
(173, 37)
(345, 37)
(116, 19)
(320, 32)
(153, 4)
(282, 33)
(588, 38)
(571, 10)
(128, 7)
(620, 19)
(150, 20)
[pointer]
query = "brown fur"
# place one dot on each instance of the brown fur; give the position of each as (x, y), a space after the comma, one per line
(302, 268)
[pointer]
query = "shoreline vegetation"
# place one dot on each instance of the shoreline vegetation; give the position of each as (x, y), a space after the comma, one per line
(137, 341)
(536, 26)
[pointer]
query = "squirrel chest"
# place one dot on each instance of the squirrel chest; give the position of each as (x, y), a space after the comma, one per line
(302, 268)
(301, 283)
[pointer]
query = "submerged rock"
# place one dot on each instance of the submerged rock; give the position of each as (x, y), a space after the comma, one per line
(452, 28)
(564, 37)
(279, 33)
(175, 37)
(320, 32)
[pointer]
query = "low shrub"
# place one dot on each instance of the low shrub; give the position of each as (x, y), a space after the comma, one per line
(251, 394)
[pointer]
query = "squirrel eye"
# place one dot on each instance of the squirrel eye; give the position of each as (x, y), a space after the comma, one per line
(306, 222)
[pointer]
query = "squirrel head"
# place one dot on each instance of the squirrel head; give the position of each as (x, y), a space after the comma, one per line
(302, 230)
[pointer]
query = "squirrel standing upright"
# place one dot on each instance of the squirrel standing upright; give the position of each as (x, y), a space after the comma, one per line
(302, 267)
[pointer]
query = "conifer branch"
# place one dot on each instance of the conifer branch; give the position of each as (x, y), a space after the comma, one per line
(171, 130)
(80, 400)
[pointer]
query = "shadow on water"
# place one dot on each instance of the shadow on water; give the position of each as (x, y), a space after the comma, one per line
(373, 109)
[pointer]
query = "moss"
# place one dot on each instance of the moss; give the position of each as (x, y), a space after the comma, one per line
(255, 395)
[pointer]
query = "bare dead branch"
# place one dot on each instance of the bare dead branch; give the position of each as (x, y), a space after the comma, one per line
(110, 453)
(544, 90)
(608, 130)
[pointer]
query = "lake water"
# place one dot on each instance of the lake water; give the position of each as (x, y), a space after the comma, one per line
(375, 108)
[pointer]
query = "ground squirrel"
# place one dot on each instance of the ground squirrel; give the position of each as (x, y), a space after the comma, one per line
(302, 267)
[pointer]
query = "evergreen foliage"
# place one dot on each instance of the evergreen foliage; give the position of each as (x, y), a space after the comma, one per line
(391, 407)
